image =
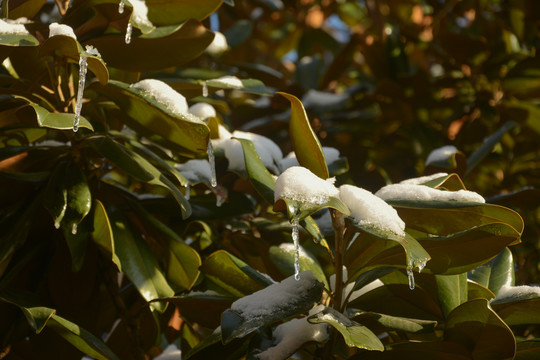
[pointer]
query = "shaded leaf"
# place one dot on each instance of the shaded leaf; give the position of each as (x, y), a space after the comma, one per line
(451, 291)
(283, 257)
(354, 334)
(520, 305)
(258, 175)
(439, 350)
(306, 144)
(103, 233)
(528, 350)
(415, 326)
(37, 316)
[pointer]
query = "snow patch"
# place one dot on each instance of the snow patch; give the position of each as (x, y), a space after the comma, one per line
(229, 81)
(268, 151)
(423, 179)
(441, 154)
(164, 94)
(330, 154)
(219, 45)
(368, 209)
(171, 352)
(196, 171)
(425, 193)
(61, 29)
(203, 110)
(140, 13)
(290, 336)
(300, 184)
(13, 27)
(517, 293)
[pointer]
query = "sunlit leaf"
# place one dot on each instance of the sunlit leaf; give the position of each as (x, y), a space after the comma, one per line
(103, 233)
(393, 322)
(452, 291)
(60, 121)
(283, 257)
(497, 273)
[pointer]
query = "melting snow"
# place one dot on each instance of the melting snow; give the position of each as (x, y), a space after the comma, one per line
(12, 27)
(203, 110)
(212, 161)
(164, 94)
(425, 193)
(61, 29)
(441, 154)
(368, 209)
(300, 184)
(121, 7)
(129, 31)
(290, 336)
(423, 179)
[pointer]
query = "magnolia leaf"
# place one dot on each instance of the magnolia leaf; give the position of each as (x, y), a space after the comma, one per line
(354, 334)
(258, 175)
(518, 305)
(452, 291)
(60, 121)
(283, 257)
(414, 326)
(306, 144)
(103, 233)
(496, 273)
(297, 210)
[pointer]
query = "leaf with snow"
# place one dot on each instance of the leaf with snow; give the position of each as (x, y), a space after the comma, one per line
(518, 305)
(271, 304)
(354, 334)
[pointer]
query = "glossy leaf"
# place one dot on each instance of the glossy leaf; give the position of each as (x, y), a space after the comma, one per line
(477, 291)
(81, 338)
(103, 233)
(447, 217)
(450, 182)
(37, 316)
(306, 144)
(138, 262)
(496, 273)
(452, 291)
(60, 121)
(477, 327)
(18, 40)
(519, 306)
(67, 196)
(231, 274)
(283, 257)
(415, 326)
(294, 301)
(148, 54)
(258, 175)
(184, 131)
(68, 47)
(354, 334)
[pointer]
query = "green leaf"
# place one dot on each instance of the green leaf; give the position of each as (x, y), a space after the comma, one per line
(452, 291)
(171, 12)
(60, 121)
(258, 175)
(250, 86)
(496, 273)
(18, 40)
(487, 146)
(27, 9)
(414, 326)
(283, 257)
(68, 47)
(477, 327)
(149, 54)
(37, 316)
(450, 182)
(138, 262)
(306, 144)
(520, 305)
(447, 217)
(67, 196)
(528, 350)
(354, 334)
(145, 114)
(477, 291)
(81, 338)
(77, 242)
(232, 274)
(274, 303)
(103, 233)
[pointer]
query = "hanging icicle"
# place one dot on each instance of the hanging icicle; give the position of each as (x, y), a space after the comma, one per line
(296, 242)
(80, 92)
(121, 7)
(188, 190)
(410, 275)
(205, 89)
(212, 161)
(128, 32)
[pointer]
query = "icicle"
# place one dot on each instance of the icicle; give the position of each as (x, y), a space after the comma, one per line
(80, 91)
(296, 249)
(410, 275)
(421, 265)
(128, 32)
(74, 229)
(188, 189)
(204, 89)
(212, 161)
(220, 198)
(57, 225)
(121, 7)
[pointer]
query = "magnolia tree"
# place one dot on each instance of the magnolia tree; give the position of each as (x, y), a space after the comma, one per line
(136, 220)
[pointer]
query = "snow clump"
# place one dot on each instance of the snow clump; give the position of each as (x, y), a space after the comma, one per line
(164, 94)
(370, 210)
(300, 184)
(441, 154)
(203, 110)
(268, 151)
(423, 179)
(219, 45)
(13, 27)
(196, 171)
(61, 29)
(425, 193)
(330, 154)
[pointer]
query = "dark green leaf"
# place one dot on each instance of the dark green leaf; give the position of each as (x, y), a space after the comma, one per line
(258, 175)
(354, 334)
(306, 144)
(283, 257)
(37, 316)
(518, 305)
(528, 350)
(103, 233)
(415, 326)
(412, 350)
(452, 291)
(496, 273)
